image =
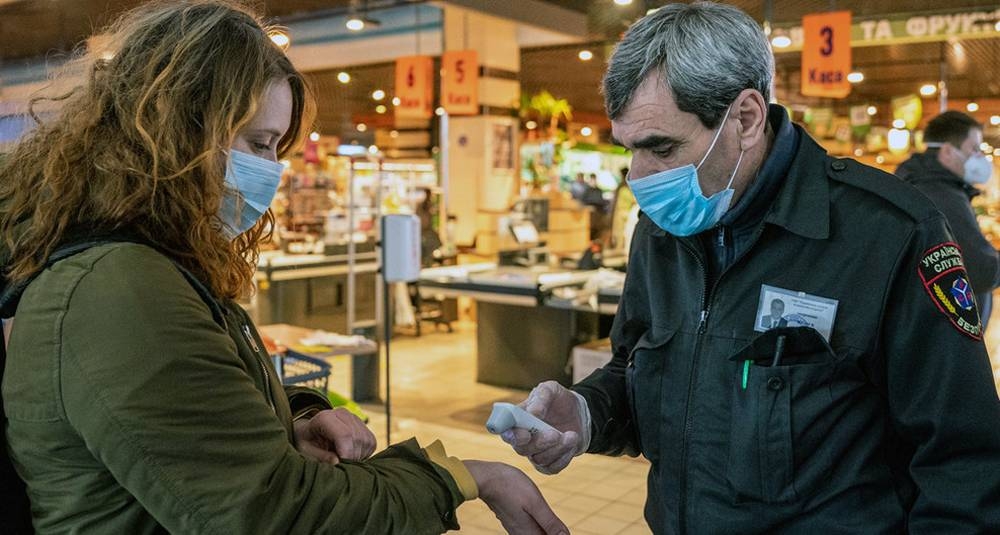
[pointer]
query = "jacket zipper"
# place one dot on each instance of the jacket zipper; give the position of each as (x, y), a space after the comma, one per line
(263, 367)
(708, 291)
(702, 327)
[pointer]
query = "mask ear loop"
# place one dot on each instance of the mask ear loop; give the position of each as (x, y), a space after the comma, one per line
(732, 177)
(716, 138)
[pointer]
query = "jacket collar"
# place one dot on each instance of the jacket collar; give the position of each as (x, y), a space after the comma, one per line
(802, 205)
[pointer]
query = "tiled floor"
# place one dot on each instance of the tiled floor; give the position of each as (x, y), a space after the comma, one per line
(435, 395)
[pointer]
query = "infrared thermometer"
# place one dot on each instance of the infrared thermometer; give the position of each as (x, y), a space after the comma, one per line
(508, 415)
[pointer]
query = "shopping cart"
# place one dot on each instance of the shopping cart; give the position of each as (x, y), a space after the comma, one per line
(303, 370)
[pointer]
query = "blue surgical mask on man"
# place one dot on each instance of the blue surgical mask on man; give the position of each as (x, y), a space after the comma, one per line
(673, 199)
(251, 184)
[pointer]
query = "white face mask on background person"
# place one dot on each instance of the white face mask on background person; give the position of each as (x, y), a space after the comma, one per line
(978, 169)
(975, 170)
(251, 184)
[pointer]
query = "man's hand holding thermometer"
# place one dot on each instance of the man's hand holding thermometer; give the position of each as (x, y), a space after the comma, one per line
(549, 428)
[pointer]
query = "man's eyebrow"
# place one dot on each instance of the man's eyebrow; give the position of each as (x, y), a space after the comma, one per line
(649, 142)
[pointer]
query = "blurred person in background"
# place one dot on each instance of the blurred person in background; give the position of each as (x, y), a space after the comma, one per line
(948, 173)
(138, 396)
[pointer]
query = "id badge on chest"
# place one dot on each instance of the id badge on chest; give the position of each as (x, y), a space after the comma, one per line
(779, 307)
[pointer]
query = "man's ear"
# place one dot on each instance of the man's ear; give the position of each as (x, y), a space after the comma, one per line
(751, 112)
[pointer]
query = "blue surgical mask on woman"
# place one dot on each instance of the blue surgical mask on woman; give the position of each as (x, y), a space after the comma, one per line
(673, 199)
(252, 182)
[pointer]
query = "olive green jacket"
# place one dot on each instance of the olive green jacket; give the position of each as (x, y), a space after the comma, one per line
(132, 410)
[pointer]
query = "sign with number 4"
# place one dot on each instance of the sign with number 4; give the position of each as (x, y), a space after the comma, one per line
(826, 54)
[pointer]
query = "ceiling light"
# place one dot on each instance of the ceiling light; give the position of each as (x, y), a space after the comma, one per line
(586, 131)
(781, 41)
(585, 55)
(343, 77)
(362, 127)
(859, 153)
(378, 94)
(394, 134)
(439, 111)
(899, 141)
(623, 2)
(380, 108)
(985, 147)
(372, 149)
(972, 107)
(280, 38)
(872, 110)
(928, 89)
(855, 77)
(531, 125)
(314, 136)
(396, 101)
(899, 123)
(355, 24)
(880, 159)
(995, 120)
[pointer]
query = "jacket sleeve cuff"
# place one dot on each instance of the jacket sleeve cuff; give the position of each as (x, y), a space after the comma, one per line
(463, 478)
(305, 402)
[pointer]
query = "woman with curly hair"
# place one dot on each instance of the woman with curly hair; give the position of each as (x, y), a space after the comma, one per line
(137, 394)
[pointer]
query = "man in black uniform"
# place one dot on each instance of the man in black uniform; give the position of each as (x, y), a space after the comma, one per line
(873, 412)
(947, 173)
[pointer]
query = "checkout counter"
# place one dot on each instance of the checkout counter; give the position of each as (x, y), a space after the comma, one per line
(312, 290)
(529, 317)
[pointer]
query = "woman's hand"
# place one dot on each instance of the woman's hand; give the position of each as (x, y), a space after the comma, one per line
(515, 499)
(332, 435)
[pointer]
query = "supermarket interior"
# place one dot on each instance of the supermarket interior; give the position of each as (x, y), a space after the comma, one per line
(484, 121)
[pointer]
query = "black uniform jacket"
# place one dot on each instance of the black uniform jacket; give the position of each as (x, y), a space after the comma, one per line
(891, 425)
(952, 196)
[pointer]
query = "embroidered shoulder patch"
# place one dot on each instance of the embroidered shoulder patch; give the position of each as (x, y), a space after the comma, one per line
(943, 273)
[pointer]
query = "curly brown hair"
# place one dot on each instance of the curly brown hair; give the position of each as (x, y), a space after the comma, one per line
(140, 145)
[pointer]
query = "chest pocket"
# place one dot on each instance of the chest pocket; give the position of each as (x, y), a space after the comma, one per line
(644, 382)
(783, 393)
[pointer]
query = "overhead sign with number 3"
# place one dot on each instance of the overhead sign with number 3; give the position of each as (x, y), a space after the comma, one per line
(826, 54)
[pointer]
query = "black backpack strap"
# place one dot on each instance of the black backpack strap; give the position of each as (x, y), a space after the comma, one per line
(15, 509)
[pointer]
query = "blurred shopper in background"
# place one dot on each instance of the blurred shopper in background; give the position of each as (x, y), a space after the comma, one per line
(947, 173)
(137, 393)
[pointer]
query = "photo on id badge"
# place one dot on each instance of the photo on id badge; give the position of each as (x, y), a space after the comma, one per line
(779, 307)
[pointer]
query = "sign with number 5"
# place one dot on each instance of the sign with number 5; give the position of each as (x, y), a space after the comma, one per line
(826, 54)
(460, 82)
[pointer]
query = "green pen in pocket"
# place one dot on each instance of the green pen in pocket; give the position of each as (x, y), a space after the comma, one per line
(779, 350)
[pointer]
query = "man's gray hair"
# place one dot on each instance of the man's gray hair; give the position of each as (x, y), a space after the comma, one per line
(708, 53)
